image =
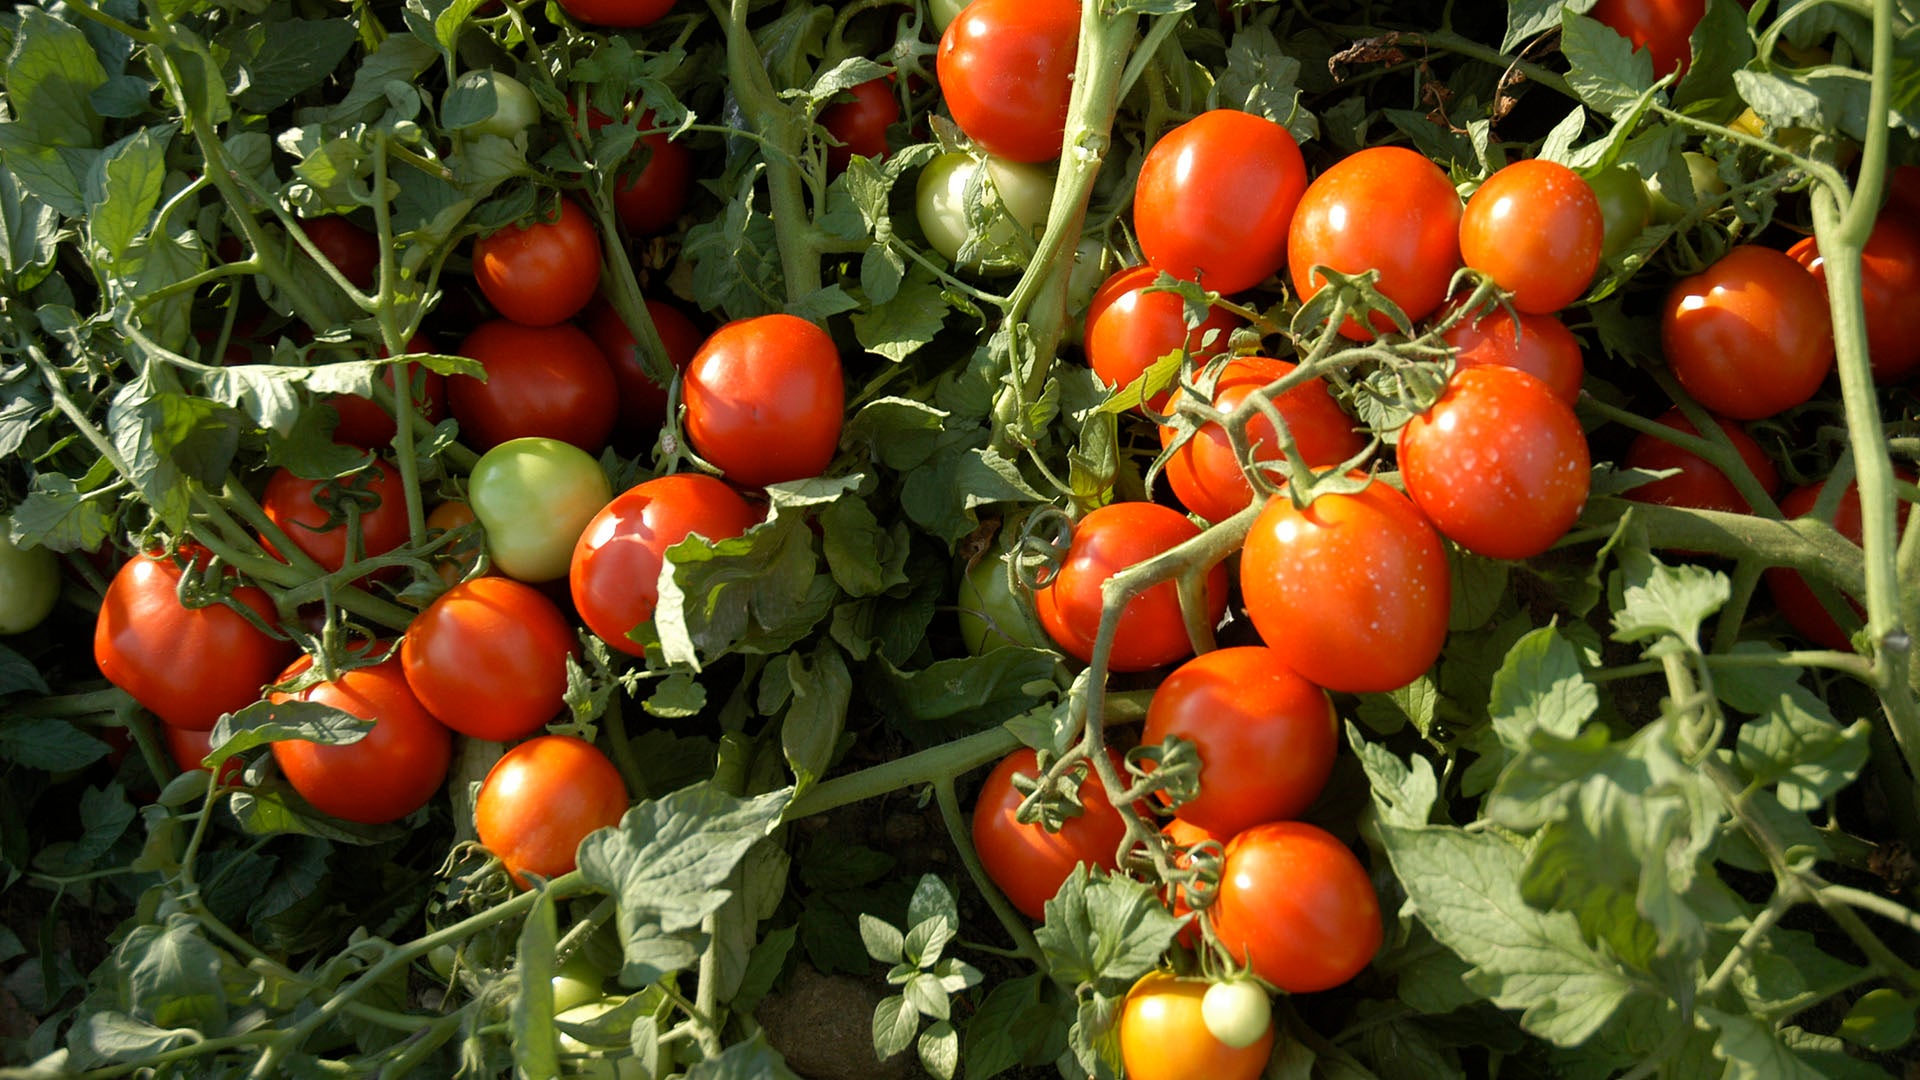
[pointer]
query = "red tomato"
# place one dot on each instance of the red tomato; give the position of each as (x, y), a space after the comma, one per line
(1186, 835)
(190, 748)
(1662, 27)
(1889, 281)
(1105, 542)
(541, 799)
(391, 771)
(1697, 484)
(489, 658)
(1540, 345)
(1266, 736)
(352, 250)
(314, 513)
(615, 574)
(1388, 209)
(185, 665)
(1791, 593)
(1498, 464)
(1027, 862)
(764, 398)
(648, 199)
(1750, 335)
(1353, 591)
(550, 381)
(1215, 198)
(1164, 1037)
(643, 402)
(1207, 476)
(1297, 905)
(1535, 228)
(455, 562)
(367, 423)
(1129, 328)
(859, 124)
(538, 273)
(1006, 69)
(622, 13)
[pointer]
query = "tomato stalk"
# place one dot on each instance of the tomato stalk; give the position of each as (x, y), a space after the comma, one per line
(1713, 446)
(396, 338)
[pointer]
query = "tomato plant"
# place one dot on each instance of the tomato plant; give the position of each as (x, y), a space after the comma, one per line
(1535, 228)
(1266, 737)
(1006, 70)
(1384, 208)
(1128, 328)
(546, 381)
(1749, 336)
(1205, 473)
(1215, 198)
(488, 658)
(29, 583)
(514, 109)
(390, 771)
(1626, 209)
(649, 198)
(1297, 906)
(1164, 1034)
(1498, 464)
(321, 517)
(541, 799)
(1026, 861)
(1108, 540)
(189, 750)
(858, 124)
(534, 497)
(764, 398)
(1697, 484)
(1889, 278)
(186, 665)
(1352, 590)
(540, 272)
(615, 564)
(1540, 345)
(995, 613)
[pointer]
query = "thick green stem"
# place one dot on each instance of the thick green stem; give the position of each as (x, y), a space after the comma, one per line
(783, 130)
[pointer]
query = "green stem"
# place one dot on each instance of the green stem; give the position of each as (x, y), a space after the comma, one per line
(1891, 910)
(948, 759)
(784, 131)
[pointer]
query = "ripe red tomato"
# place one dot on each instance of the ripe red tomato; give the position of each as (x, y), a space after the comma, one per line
(764, 398)
(488, 658)
(615, 574)
(352, 250)
(541, 799)
(1266, 736)
(455, 562)
(622, 13)
(1791, 593)
(314, 513)
(1750, 335)
(1385, 208)
(1535, 228)
(1662, 27)
(391, 771)
(367, 423)
(649, 198)
(1105, 542)
(550, 381)
(1498, 464)
(1296, 905)
(539, 272)
(643, 402)
(859, 124)
(190, 748)
(1540, 345)
(1027, 862)
(185, 665)
(1353, 591)
(1186, 836)
(1006, 70)
(1129, 328)
(1889, 281)
(1163, 1035)
(1697, 484)
(1207, 476)
(1215, 198)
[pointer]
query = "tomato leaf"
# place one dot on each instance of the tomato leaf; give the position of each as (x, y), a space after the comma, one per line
(1261, 79)
(1608, 73)
(959, 696)
(266, 722)
(274, 61)
(908, 319)
(1752, 1051)
(866, 559)
(1403, 793)
(1652, 599)
(1540, 688)
(123, 187)
(1721, 46)
(749, 1059)
(41, 742)
(172, 976)
(1793, 739)
(535, 1049)
(1020, 1022)
(1104, 930)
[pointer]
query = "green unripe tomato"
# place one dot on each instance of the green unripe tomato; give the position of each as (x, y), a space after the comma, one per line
(1625, 207)
(1704, 172)
(1025, 191)
(1237, 1012)
(489, 103)
(440, 958)
(29, 583)
(534, 496)
(944, 11)
(617, 1067)
(994, 615)
(577, 983)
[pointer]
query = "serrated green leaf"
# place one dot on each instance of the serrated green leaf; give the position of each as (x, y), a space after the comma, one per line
(1403, 794)
(1260, 79)
(1018, 1023)
(172, 976)
(1541, 688)
(907, 319)
(1721, 45)
(1102, 927)
(749, 1059)
(44, 743)
(1655, 600)
(1525, 18)
(284, 58)
(1751, 1050)
(123, 187)
(866, 558)
(1607, 72)
(266, 722)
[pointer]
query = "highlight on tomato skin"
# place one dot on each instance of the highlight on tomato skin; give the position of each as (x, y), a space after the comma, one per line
(1215, 199)
(541, 799)
(1750, 336)
(1385, 208)
(1297, 906)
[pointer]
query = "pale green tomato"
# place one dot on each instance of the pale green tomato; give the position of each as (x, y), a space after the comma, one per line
(1707, 187)
(1024, 194)
(603, 1068)
(944, 11)
(534, 497)
(1237, 1012)
(1625, 207)
(513, 111)
(577, 983)
(29, 583)
(994, 615)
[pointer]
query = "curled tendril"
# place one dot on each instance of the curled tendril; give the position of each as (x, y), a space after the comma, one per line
(1044, 540)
